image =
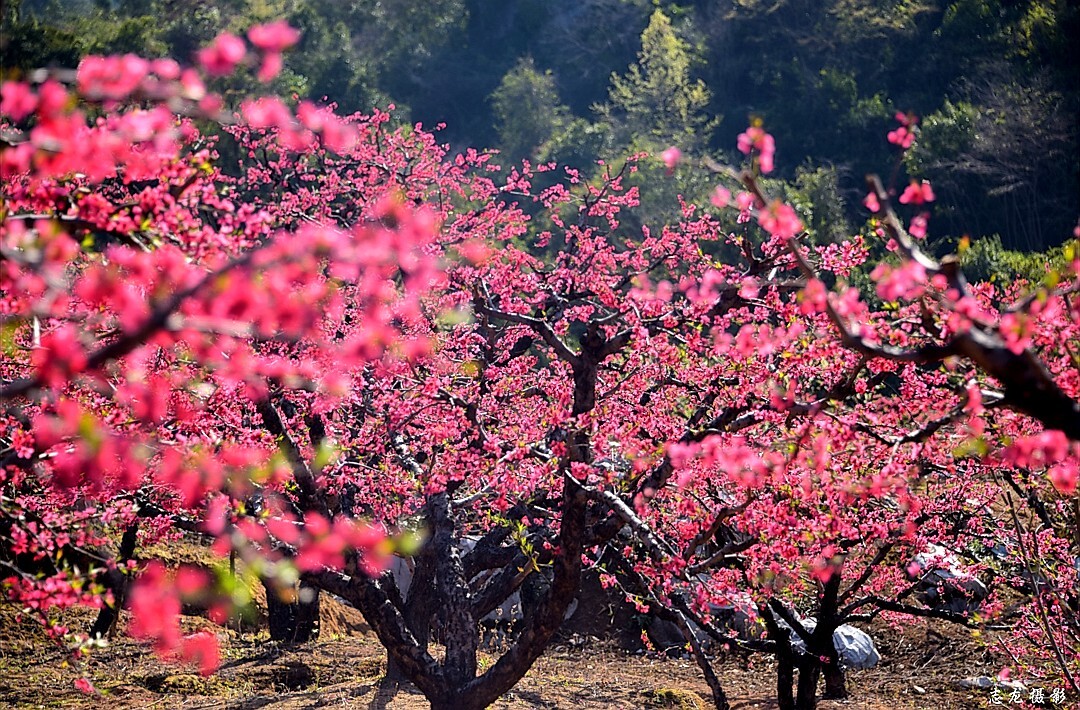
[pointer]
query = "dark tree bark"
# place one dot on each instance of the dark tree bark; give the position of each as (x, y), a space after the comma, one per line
(117, 582)
(819, 644)
(418, 607)
(835, 680)
(785, 660)
(460, 630)
(824, 646)
(296, 621)
(809, 674)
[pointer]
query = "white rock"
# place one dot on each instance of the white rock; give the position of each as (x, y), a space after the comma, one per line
(855, 646)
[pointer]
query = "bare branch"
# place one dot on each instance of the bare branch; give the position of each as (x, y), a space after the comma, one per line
(538, 326)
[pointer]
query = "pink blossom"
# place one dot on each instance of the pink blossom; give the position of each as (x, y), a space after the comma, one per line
(904, 135)
(1016, 331)
(755, 137)
(475, 251)
(53, 99)
(15, 161)
(917, 228)
(721, 197)
(266, 112)
(765, 160)
(336, 134)
(745, 202)
(823, 568)
(284, 529)
(671, 158)
(222, 56)
(1064, 477)
(917, 193)
(167, 69)
(155, 608)
(906, 281)
(871, 202)
(61, 355)
(83, 685)
(202, 649)
(190, 581)
(111, 77)
(270, 66)
(310, 115)
(274, 37)
(780, 220)
(813, 298)
(211, 104)
(1048, 447)
(192, 85)
(17, 100)
(22, 442)
(901, 137)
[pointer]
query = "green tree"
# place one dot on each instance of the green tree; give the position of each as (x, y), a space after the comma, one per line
(987, 260)
(528, 112)
(58, 34)
(1004, 161)
(656, 99)
(817, 196)
(577, 143)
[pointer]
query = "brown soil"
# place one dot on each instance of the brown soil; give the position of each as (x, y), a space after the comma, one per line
(344, 669)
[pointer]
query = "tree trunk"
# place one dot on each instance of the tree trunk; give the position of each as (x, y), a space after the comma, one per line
(453, 684)
(824, 646)
(785, 679)
(295, 621)
(785, 660)
(117, 581)
(809, 673)
(417, 608)
(720, 701)
(835, 684)
(460, 630)
(820, 645)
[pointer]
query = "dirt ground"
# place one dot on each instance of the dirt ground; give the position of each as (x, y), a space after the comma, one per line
(344, 669)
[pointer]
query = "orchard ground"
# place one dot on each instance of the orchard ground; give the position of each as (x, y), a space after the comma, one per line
(345, 669)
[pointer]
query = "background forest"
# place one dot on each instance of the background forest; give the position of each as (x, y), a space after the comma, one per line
(995, 83)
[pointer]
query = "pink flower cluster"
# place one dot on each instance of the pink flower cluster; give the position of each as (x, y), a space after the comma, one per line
(907, 281)
(322, 543)
(272, 39)
(917, 193)
(671, 158)
(904, 135)
(780, 221)
(1050, 450)
(155, 603)
(755, 138)
(299, 133)
(222, 55)
(227, 50)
